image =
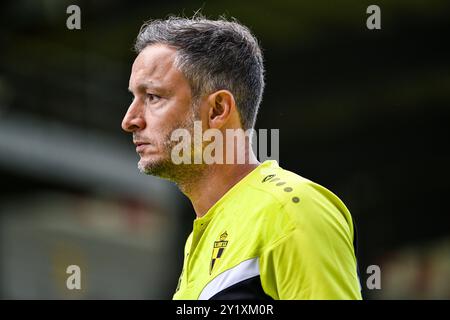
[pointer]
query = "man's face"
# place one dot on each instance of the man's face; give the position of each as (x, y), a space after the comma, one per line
(162, 103)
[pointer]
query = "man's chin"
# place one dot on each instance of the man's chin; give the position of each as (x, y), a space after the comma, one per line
(166, 169)
(159, 168)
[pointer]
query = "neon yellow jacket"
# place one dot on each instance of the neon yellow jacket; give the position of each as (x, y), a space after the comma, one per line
(273, 235)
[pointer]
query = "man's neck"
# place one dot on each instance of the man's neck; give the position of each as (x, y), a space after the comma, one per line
(215, 181)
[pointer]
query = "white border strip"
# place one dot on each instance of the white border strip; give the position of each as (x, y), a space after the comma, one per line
(245, 270)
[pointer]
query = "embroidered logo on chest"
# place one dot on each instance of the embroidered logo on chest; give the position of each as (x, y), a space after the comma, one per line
(218, 249)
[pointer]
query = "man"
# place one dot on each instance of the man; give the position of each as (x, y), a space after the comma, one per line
(261, 232)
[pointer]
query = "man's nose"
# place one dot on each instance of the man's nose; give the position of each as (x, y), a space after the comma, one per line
(133, 119)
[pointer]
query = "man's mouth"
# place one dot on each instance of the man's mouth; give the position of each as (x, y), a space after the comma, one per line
(140, 145)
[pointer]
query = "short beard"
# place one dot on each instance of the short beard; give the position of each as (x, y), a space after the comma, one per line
(184, 175)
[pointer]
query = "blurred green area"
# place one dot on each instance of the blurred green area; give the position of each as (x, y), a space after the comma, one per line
(365, 113)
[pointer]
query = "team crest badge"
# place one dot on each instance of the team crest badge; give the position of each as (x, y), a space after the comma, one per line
(219, 247)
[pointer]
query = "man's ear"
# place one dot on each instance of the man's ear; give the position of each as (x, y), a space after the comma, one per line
(221, 108)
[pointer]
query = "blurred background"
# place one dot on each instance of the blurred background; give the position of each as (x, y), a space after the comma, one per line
(362, 112)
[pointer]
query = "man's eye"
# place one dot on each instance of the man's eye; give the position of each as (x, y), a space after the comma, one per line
(152, 97)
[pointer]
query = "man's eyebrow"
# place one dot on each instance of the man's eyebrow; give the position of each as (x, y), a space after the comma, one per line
(144, 86)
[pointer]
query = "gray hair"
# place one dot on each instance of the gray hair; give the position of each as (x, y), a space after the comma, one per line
(213, 55)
